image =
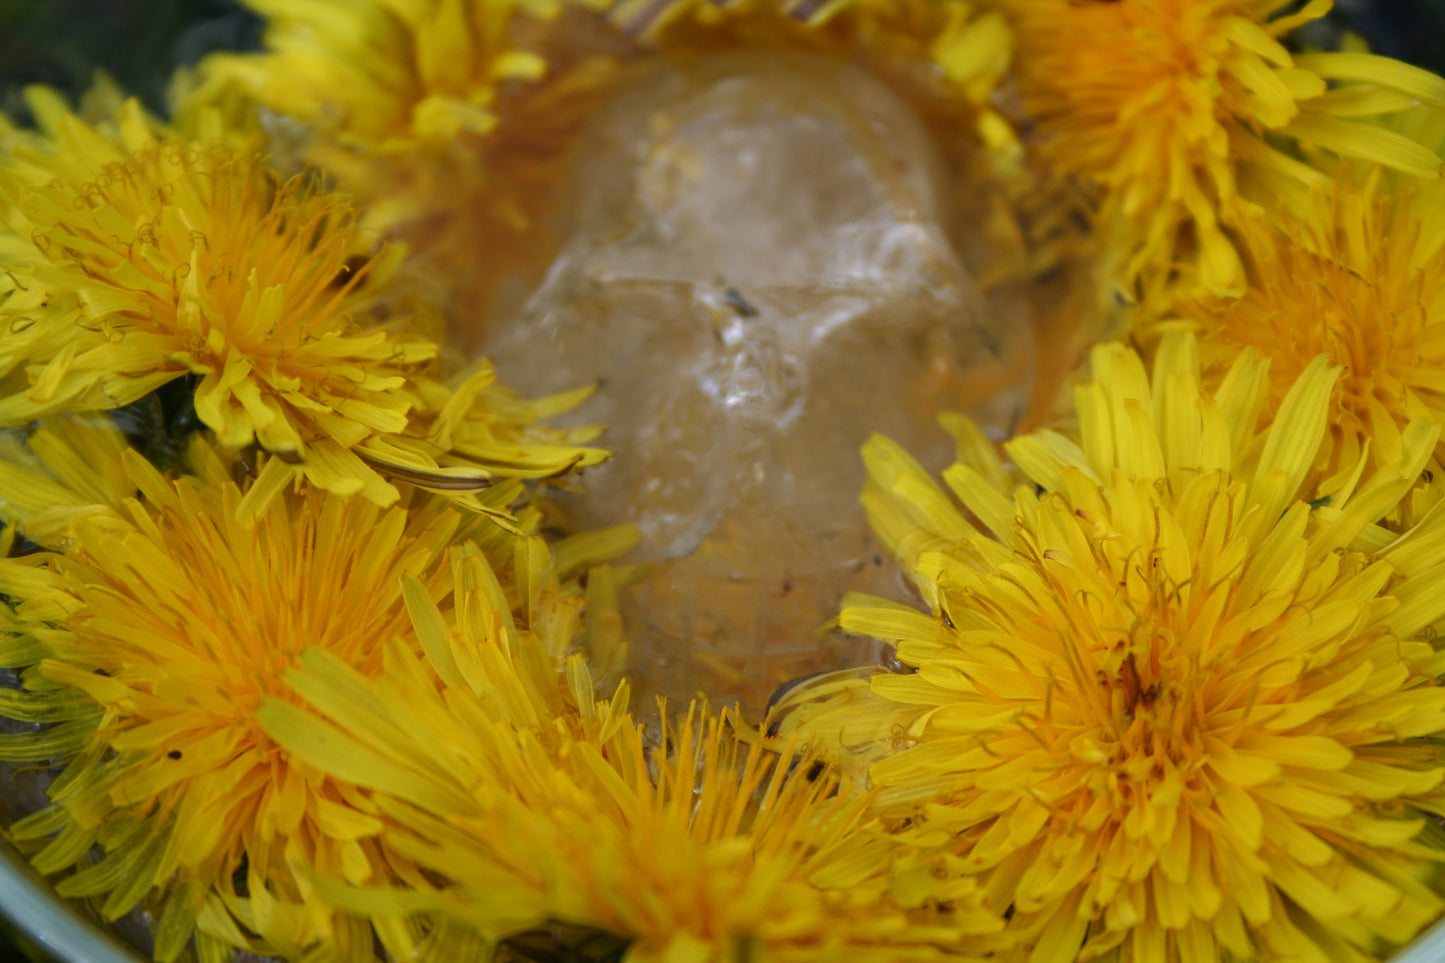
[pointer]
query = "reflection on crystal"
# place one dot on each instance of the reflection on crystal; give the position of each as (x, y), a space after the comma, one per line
(757, 279)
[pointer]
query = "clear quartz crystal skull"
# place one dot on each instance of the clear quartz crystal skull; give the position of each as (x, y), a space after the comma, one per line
(757, 278)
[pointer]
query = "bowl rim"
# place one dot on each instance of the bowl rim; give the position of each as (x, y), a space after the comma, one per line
(61, 927)
(1428, 947)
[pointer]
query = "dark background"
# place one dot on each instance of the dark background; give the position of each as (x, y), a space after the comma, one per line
(138, 42)
(141, 42)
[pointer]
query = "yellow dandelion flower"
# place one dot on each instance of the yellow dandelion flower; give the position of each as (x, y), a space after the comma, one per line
(526, 801)
(731, 849)
(1358, 276)
(158, 628)
(406, 102)
(513, 689)
(135, 258)
(1166, 710)
(60, 468)
(1172, 108)
(391, 75)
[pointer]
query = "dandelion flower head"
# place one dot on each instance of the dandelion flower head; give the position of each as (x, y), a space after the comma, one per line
(433, 113)
(393, 75)
(139, 258)
(148, 636)
(1162, 106)
(1357, 275)
(1166, 709)
(738, 843)
(472, 768)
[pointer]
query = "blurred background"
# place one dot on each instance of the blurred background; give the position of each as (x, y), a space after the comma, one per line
(140, 43)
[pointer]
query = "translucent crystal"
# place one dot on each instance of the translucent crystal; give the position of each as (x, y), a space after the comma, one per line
(757, 279)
